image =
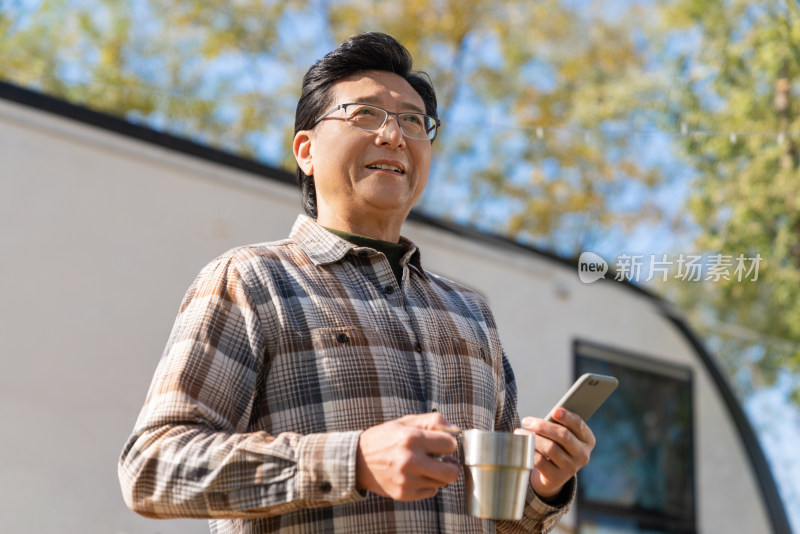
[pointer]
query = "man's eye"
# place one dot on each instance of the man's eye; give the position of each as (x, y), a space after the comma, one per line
(413, 119)
(365, 111)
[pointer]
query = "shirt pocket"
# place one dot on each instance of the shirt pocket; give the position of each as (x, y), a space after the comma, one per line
(364, 379)
(469, 385)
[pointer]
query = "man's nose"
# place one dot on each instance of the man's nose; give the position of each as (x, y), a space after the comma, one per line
(391, 133)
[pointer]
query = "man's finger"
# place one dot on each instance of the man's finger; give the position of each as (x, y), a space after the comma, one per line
(569, 429)
(575, 424)
(552, 451)
(439, 472)
(435, 442)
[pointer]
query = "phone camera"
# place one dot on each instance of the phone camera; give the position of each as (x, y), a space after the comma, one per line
(593, 382)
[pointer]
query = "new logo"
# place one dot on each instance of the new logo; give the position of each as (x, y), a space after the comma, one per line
(591, 267)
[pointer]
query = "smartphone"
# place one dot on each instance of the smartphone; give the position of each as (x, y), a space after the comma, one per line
(586, 395)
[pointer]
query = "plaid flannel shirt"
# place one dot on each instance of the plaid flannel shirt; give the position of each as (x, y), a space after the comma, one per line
(281, 354)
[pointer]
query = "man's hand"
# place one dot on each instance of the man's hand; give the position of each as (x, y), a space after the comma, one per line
(397, 459)
(562, 449)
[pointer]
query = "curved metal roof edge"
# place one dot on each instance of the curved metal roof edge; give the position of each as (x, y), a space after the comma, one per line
(774, 504)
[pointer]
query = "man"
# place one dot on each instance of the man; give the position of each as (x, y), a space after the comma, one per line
(319, 383)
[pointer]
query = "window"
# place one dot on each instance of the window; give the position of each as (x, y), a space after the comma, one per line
(640, 479)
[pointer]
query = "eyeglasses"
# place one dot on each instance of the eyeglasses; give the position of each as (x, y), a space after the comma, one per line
(372, 118)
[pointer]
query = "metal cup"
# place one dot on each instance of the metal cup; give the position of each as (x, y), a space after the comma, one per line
(497, 466)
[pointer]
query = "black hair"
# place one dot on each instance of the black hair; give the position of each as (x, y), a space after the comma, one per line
(366, 51)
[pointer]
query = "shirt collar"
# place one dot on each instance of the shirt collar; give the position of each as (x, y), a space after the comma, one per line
(323, 247)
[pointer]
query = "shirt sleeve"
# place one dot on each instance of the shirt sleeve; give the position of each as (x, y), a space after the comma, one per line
(191, 454)
(538, 516)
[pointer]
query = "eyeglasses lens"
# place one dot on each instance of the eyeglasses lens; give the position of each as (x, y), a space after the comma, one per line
(370, 118)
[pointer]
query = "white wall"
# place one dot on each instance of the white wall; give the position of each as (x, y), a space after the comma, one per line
(101, 237)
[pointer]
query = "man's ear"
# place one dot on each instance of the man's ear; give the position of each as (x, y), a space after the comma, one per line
(302, 151)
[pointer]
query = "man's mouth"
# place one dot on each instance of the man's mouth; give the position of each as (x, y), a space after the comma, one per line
(386, 167)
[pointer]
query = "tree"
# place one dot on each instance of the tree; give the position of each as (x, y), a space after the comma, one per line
(741, 70)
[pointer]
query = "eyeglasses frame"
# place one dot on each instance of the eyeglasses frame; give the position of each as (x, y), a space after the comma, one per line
(388, 113)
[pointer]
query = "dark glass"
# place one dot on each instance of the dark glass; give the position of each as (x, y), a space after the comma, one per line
(641, 474)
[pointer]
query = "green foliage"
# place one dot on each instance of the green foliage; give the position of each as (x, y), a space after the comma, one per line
(743, 76)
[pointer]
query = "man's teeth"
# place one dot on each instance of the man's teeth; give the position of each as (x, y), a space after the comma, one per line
(385, 167)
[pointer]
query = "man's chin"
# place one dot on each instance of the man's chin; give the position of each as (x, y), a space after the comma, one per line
(387, 207)
(388, 196)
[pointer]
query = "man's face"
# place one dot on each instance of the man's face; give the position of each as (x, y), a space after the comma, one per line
(367, 174)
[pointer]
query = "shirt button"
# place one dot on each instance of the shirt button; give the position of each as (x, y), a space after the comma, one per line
(388, 290)
(483, 354)
(363, 253)
(417, 347)
(434, 410)
(341, 337)
(325, 487)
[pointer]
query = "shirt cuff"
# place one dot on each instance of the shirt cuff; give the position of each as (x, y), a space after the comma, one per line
(326, 465)
(547, 515)
(562, 498)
